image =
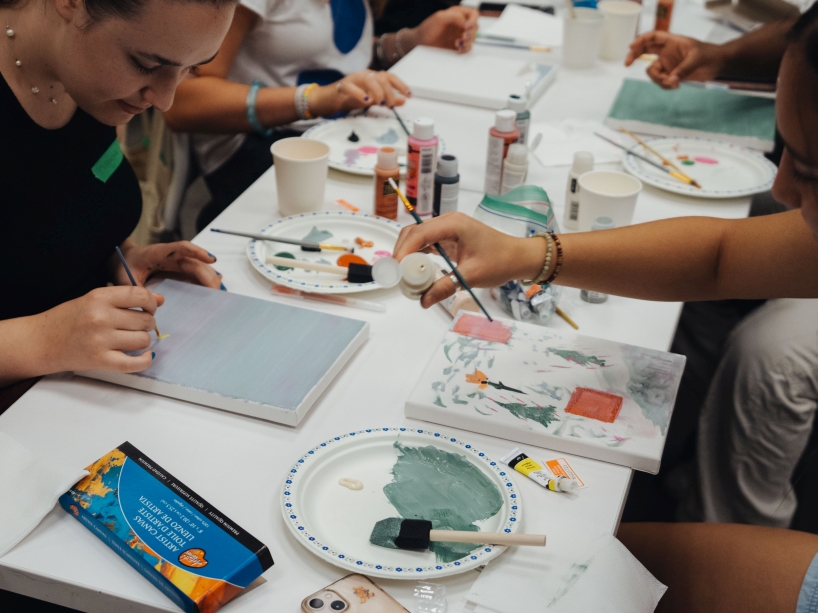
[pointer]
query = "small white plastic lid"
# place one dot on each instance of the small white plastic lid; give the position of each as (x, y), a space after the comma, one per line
(504, 120)
(517, 154)
(583, 162)
(603, 223)
(387, 158)
(423, 128)
(568, 485)
(386, 272)
(447, 166)
(516, 103)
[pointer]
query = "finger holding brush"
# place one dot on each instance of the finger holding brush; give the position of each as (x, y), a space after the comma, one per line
(487, 259)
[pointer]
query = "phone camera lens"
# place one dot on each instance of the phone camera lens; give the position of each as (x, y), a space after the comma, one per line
(338, 605)
(316, 603)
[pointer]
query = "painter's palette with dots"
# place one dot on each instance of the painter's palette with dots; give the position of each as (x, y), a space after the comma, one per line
(377, 235)
(724, 170)
(335, 522)
(354, 141)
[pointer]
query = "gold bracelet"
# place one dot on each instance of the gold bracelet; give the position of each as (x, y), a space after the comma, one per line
(547, 262)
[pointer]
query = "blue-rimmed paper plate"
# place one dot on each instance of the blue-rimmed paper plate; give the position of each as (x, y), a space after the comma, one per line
(722, 169)
(343, 227)
(359, 157)
(335, 523)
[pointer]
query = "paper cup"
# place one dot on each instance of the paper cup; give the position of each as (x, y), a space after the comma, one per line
(581, 38)
(621, 20)
(301, 174)
(605, 193)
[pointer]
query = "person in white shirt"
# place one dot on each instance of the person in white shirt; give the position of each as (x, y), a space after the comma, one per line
(285, 61)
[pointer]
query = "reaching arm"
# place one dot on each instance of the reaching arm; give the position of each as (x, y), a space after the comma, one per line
(212, 103)
(686, 259)
(755, 56)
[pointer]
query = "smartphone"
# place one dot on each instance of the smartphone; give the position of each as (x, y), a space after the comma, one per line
(352, 594)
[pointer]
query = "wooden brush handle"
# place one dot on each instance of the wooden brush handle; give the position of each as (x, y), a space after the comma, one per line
(491, 538)
(290, 263)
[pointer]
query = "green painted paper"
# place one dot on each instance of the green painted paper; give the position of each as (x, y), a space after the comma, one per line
(107, 164)
(694, 108)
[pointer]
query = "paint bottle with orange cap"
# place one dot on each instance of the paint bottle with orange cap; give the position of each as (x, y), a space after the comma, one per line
(386, 198)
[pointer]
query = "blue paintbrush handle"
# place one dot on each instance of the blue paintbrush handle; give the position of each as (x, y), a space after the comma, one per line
(125, 265)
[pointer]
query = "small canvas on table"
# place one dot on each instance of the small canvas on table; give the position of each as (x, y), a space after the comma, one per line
(243, 354)
(474, 78)
(559, 390)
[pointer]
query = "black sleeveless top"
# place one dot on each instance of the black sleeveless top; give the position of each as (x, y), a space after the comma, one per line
(67, 198)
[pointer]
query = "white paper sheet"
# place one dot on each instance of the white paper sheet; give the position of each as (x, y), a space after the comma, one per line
(528, 26)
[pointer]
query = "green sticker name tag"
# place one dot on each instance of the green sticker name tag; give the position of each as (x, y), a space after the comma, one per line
(108, 163)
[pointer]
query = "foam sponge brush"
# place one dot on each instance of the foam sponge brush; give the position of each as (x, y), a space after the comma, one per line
(417, 534)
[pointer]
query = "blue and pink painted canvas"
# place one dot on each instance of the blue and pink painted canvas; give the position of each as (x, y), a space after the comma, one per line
(558, 390)
(243, 354)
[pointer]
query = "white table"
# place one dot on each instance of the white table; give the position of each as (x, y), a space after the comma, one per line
(238, 463)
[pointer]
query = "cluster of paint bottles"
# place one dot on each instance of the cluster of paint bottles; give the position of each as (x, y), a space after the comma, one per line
(507, 158)
(534, 303)
(432, 184)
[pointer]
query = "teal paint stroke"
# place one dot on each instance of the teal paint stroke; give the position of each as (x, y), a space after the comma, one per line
(542, 415)
(317, 236)
(653, 382)
(444, 488)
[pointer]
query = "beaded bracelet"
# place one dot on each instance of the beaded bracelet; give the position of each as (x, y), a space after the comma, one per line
(252, 117)
(547, 262)
(558, 266)
(302, 103)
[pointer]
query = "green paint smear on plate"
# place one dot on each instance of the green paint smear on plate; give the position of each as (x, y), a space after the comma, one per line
(284, 254)
(317, 236)
(444, 488)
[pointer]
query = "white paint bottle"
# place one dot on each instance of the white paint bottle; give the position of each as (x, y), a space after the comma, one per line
(418, 275)
(515, 167)
(583, 162)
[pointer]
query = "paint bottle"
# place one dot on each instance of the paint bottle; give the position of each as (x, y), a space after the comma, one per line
(600, 223)
(501, 136)
(583, 162)
(420, 166)
(664, 11)
(517, 104)
(418, 275)
(459, 301)
(386, 198)
(447, 185)
(515, 167)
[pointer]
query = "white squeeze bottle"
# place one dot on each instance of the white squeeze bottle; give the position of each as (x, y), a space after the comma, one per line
(583, 162)
(515, 167)
(501, 136)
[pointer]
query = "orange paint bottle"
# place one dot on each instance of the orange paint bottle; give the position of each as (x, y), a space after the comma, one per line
(664, 11)
(386, 198)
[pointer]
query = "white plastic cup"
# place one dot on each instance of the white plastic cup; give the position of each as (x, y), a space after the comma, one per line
(621, 20)
(581, 38)
(606, 193)
(301, 174)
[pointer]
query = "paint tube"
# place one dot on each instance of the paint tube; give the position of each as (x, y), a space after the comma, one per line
(520, 462)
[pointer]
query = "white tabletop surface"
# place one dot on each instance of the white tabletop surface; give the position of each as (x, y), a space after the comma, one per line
(238, 463)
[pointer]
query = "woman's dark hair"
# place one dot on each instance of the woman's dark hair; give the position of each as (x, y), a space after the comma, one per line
(100, 9)
(803, 32)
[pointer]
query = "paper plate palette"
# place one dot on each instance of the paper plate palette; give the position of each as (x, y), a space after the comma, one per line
(335, 523)
(359, 157)
(722, 169)
(341, 227)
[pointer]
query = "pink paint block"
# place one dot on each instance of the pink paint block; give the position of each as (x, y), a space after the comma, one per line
(477, 326)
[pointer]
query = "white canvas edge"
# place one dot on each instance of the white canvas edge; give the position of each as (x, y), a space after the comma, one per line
(288, 417)
(641, 127)
(463, 421)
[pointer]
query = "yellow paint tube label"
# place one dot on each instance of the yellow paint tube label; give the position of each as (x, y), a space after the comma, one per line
(527, 466)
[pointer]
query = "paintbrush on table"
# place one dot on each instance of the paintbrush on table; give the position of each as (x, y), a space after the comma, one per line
(135, 284)
(355, 273)
(665, 161)
(305, 245)
(672, 173)
(437, 246)
(418, 534)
